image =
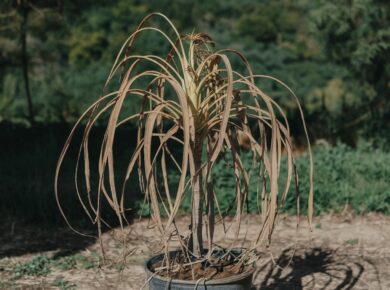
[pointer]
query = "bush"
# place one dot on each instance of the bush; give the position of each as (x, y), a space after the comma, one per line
(357, 177)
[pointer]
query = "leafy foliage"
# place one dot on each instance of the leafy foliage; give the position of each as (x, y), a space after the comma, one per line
(356, 177)
(344, 177)
(312, 46)
(356, 35)
(38, 266)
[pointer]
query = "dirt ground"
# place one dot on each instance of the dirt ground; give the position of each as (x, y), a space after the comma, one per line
(342, 252)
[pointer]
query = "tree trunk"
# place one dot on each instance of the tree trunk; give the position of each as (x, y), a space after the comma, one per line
(197, 200)
(23, 35)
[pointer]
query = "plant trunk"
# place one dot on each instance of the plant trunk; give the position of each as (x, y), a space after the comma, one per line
(197, 200)
(23, 38)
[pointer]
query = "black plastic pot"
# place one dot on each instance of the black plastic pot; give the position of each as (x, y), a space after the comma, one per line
(238, 282)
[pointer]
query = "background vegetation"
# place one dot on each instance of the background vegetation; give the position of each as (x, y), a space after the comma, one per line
(55, 56)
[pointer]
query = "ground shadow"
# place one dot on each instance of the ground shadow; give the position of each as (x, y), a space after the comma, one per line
(30, 221)
(318, 267)
(18, 239)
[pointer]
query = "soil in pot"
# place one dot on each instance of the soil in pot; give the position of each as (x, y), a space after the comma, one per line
(221, 268)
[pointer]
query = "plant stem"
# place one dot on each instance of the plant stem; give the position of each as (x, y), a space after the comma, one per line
(197, 199)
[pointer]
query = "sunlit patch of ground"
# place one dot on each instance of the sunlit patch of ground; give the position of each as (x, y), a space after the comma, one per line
(342, 252)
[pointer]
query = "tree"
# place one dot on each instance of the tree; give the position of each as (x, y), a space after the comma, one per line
(19, 13)
(356, 35)
(24, 7)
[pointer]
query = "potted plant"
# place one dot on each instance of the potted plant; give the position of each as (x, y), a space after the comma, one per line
(194, 101)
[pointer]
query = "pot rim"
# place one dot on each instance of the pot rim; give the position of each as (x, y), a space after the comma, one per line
(218, 281)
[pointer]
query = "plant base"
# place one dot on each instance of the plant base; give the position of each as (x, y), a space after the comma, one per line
(241, 281)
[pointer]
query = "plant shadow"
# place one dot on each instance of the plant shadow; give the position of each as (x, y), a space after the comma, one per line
(306, 269)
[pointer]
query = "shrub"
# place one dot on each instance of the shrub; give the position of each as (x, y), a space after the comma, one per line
(358, 177)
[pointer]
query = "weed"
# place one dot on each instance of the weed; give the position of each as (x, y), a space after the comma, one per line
(352, 242)
(77, 261)
(66, 263)
(87, 262)
(7, 285)
(120, 266)
(37, 266)
(63, 284)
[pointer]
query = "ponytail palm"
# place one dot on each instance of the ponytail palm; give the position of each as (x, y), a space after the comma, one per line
(196, 101)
